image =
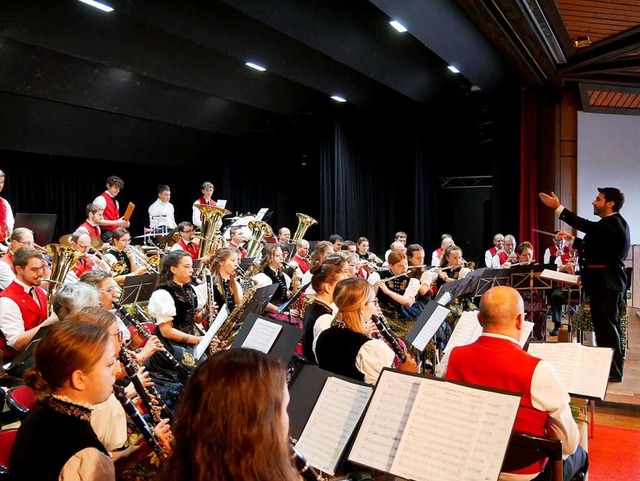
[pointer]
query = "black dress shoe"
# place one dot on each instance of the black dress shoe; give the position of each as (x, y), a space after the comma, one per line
(554, 332)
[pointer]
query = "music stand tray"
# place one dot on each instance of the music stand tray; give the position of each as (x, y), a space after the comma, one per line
(528, 277)
(138, 288)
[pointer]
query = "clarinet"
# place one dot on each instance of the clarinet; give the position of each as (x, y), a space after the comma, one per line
(139, 421)
(145, 393)
(306, 471)
(182, 371)
(385, 331)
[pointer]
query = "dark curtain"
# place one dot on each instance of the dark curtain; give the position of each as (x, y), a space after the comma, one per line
(528, 168)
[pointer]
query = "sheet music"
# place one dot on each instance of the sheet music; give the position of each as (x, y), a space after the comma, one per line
(467, 330)
(583, 370)
(262, 335)
(332, 421)
(560, 276)
(261, 213)
(221, 203)
(444, 299)
(431, 327)
(527, 328)
(203, 345)
(385, 421)
(467, 431)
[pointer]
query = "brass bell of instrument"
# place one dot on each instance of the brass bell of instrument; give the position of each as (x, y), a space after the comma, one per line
(304, 222)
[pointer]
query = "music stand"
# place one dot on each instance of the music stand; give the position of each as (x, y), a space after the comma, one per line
(138, 288)
(246, 263)
(526, 277)
(25, 359)
(259, 300)
(491, 278)
(42, 225)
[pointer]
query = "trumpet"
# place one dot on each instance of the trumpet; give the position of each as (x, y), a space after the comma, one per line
(152, 264)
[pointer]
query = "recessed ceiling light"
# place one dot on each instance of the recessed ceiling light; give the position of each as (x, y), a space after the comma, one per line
(398, 26)
(98, 5)
(337, 98)
(453, 69)
(259, 68)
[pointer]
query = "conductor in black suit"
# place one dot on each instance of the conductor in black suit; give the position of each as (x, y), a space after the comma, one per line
(602, 252)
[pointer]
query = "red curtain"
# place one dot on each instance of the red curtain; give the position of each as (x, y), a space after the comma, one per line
(528, 169)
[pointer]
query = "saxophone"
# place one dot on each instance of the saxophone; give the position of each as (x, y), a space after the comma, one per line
(232, 324)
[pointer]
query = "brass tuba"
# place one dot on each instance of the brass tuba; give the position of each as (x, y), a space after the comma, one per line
(210, 239)
(63, 258)
(259, 230)
(304, 222)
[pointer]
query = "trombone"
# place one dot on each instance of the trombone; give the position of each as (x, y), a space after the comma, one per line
(115, 268)
(152, 264)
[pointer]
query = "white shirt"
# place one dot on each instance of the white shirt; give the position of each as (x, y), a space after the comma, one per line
(435, 259)
(488, 258)
(90, 464)
(7, 275)
(161, 214)
(411, 290)
(102, 202)
(11, 322)
(10, 219)
(109, 421)
(263, 280)
(547, 394)
(162, 308)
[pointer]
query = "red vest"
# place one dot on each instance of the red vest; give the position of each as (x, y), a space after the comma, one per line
(193, 250)
(94, 230)
(303, 264)
(502, 364)
(564, 253)
(111, 211)
(493, 251)
(503, 256)
(83, 265)
(242, 250)
(202, 200)
(32, 314)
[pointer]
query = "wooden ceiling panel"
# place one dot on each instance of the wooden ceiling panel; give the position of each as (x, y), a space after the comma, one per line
(599, 19)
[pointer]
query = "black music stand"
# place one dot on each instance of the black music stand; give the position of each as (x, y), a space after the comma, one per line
(460, 287)
(246, 263)
(25, 359)
(259, 300)
(491, 278)
(284, 345)
(138, 288)
(526, 277)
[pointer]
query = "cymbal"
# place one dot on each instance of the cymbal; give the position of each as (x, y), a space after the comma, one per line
(65, 240)
(96, 243)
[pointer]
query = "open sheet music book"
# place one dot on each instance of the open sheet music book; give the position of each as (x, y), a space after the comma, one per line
(332, 422)
(426, 429)
(583, 370)
(468, 330)
(560, 277)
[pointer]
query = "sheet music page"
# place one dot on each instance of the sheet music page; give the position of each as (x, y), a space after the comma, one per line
(527, 328)
(466, 430)
(333, 419)
(262, 335)
(560, 276)
(446, 297)
(467, 330)
(583, 370)
(215, 326)
(385, 420)
(430, 328)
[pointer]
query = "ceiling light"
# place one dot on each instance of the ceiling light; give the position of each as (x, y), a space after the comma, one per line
(259, 68)
(98, 5)
(453, 69)
(398, 26)
(337, 98)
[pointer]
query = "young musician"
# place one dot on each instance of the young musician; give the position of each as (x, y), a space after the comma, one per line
(91, 225)
(270, 272)
(226, 288)
(347, 347)
(107, 201)
(534, 304)
(120, 252)
(205, 199)
(236, 240)
(186, 231)
(232, 421)
(161, 212)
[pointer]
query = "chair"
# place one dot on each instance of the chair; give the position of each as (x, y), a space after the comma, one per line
(524, 449)
(7, 438)
(21, 400)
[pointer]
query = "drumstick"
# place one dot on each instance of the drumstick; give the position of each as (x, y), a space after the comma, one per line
(544, 232)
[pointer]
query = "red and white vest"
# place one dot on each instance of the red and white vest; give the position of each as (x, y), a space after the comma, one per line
(32, 313)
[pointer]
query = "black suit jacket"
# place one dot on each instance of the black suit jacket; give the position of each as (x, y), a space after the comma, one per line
(602, 251)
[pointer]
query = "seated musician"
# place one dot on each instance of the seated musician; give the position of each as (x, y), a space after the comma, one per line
(349, 347)
(300, 260)
(415, 260)
(91, 225)
(81, 242)
(507, 255)
(436, 256)
(534, 303)
(119, 252)
(320, 252)
(236, 240)
(226, 288)
(270, 272)
(186, 231)
(544, 409)
(396, 293)
(498, 243)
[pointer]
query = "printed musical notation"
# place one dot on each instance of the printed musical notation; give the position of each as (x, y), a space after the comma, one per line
(262, 335)
(430, 328)
(583, 370)
(424, 429)
(333, 419)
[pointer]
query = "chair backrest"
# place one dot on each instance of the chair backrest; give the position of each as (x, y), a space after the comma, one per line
(524, 449)
(21, 399)
(7, 437)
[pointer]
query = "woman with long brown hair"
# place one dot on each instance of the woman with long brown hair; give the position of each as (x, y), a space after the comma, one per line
(232, 422)
(226, 288)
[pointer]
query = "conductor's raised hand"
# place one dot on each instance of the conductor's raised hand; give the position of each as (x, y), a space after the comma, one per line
(550, 200)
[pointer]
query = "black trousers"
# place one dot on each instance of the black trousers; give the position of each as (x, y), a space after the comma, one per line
(606, 306)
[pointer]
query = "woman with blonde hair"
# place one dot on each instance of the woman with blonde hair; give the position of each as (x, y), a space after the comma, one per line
(226, 288)
(232, 421)
(348, 346)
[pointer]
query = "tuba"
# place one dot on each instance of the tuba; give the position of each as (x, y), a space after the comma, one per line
(63, 258)
(210, 239)
(304, 222)
(259, 230)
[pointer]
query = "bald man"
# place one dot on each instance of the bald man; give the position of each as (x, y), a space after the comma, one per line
(496, 360)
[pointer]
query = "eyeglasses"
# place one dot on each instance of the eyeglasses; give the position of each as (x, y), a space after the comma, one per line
(374, 302)
(119, 335)
(110, 290)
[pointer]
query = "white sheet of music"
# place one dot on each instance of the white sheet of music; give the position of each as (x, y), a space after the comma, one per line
(430, 328)
(262, 335)
(467, 431)
(467, 330)
(333, 419)
(527, 328)
(560, 276)
(215, 326)
(583, 370)
(385, 420)
(446, 297)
